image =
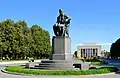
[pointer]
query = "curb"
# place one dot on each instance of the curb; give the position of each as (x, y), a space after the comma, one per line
(99, 74)
(14, 73)
(4, 71)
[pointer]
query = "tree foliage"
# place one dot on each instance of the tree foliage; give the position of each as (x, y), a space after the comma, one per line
(18, 41)
(75, 54)
(115, 49)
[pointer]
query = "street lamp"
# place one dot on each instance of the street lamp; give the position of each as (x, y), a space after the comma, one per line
(25, 52)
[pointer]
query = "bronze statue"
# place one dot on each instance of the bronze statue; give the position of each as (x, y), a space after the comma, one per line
(62, 24)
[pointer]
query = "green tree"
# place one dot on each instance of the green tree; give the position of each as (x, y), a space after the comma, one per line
(18, 41)
(41, 45)
(115, 50)
(75, 54)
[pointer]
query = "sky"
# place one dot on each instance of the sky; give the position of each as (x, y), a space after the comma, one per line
(96, 21)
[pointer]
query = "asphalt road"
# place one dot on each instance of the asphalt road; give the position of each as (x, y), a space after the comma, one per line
(112, 62)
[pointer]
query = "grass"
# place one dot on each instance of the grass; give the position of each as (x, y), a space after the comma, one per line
(87, 60)
(92, 61)
(21, 70)
(77, 59)
(97, 63)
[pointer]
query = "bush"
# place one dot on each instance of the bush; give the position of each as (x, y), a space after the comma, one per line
(20, 69)
(91, 60)
(92, 68)
(98, 63)
(77, 59)
(87, 60)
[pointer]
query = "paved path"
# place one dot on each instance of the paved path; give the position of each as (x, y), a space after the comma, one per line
(112, 62)
(4, 75)
(16, 62)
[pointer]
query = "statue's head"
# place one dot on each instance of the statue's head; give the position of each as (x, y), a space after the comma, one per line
(60, 11)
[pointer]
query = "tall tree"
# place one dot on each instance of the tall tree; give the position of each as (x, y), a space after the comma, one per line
(115, 50)
(18, 41)
(41, 43)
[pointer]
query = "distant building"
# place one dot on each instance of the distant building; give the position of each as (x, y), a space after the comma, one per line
(88, 50)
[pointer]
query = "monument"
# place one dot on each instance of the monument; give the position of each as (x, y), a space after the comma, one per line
(61, 58)
(61, 44)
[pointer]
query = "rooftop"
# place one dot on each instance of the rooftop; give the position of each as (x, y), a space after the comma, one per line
(88, 44)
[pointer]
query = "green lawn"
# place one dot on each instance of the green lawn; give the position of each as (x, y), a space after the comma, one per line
(97, 63)
(92, 61)
(21, 70)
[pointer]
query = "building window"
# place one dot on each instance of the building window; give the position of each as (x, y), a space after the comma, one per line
(89, 52)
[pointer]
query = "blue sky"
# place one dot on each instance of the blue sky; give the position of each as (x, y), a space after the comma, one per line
(95, 21)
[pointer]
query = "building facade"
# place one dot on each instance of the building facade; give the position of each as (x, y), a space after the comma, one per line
(88, 50)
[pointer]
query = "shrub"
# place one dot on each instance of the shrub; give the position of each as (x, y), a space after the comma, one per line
(19, 69)
(98, 63)
(91, 60)
(92, 68)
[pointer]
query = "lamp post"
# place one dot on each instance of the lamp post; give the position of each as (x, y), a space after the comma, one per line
(25, 52)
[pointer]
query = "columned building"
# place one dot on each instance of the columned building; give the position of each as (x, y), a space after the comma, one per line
(88, 50)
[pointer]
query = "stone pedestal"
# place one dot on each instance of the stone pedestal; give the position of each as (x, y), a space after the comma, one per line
(30, 64)
(85, 66)
(82, 65)
(61, 48)
(61, 57)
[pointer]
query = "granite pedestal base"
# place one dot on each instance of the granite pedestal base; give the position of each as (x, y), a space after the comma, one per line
(61, 47)
(57, 65)
(61, 65)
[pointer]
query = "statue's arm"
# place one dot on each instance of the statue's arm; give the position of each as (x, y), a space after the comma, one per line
(57, 20)
(68, 17)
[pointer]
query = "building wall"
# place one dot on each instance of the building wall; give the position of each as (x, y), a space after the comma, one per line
(88, 50)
